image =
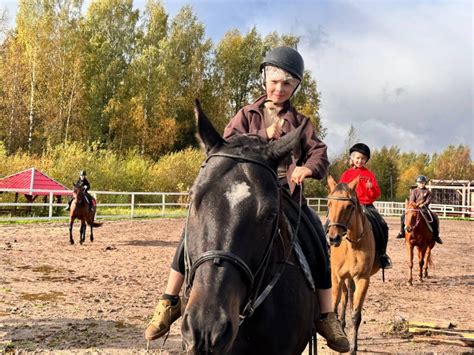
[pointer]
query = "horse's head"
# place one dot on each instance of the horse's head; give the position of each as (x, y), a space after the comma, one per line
(78, 193)
(412, 216)
(342, 204)
(232, 222)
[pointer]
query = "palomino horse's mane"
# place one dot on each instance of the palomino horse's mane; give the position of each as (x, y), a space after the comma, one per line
(344, 188)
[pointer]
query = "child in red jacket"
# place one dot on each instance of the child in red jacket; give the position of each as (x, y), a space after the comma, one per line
(368, 191)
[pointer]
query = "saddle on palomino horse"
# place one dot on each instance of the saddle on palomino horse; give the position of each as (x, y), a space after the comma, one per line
(379, 228)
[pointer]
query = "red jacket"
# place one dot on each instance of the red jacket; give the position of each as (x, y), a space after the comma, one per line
(366, 195)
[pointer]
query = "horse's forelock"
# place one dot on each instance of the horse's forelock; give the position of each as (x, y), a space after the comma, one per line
(343, 187)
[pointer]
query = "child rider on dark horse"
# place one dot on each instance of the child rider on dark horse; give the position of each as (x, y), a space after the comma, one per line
(84, 183)
(271, 117)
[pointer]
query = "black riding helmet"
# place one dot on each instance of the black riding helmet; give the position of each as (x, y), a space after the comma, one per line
(83, 173)
(287, 59)
(361, 148)
(422, 178)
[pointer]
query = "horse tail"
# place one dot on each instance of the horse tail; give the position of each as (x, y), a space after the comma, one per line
(96, 224)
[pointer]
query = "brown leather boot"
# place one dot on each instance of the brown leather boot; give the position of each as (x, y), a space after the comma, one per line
(165, 315)
(330, 328)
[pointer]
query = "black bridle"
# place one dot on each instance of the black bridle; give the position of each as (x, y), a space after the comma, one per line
(217, 256)
(345, 225)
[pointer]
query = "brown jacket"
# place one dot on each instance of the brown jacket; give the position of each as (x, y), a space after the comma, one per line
(311, 154)
(422, 197)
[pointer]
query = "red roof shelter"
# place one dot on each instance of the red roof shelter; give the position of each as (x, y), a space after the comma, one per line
(28, 181)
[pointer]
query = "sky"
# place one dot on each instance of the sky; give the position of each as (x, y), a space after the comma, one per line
(400, 72)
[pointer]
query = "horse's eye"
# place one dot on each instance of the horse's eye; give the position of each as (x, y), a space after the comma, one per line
(270, 216)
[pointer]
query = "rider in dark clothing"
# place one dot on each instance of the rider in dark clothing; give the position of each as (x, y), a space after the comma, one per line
(422, 197)
(84, 183)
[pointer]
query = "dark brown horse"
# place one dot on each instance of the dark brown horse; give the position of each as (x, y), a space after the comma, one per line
(352, 252)
(80, 209)
(419, 235)
(247, 294)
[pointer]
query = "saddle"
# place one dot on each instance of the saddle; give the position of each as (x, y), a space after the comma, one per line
(379, 228)
(428, 216)
(308, 248)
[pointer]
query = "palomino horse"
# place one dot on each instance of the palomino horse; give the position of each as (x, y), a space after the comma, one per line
(247, 294)
(417, 234)
(352, 252)
(80, 209)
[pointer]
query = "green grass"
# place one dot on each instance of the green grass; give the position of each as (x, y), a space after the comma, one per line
(121, 213)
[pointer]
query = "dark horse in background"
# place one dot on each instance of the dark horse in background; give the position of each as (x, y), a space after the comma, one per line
(235, 246)
(419, 235)
(81, 210)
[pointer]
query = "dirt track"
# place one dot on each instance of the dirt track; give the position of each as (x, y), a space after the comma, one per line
(99, 296)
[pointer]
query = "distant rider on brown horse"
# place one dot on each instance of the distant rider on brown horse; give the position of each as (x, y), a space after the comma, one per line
(84, 183)
(422, 197)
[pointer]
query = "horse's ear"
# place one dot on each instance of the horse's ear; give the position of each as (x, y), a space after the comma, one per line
(206, 133)
(331, 183)
(281, 147)
(352, 185)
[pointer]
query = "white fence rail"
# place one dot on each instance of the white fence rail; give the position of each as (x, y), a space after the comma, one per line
(171, 204)
(165, 204)
(389, 208)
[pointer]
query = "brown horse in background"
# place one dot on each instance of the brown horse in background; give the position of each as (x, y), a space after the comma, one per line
(352, 252)
(80, 209)
(419, 235)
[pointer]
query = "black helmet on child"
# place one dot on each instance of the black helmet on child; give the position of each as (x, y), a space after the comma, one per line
(361, 148)
(287, 59)
(83, 173)
(422, 178)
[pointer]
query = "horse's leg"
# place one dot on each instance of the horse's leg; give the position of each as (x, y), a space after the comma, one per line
(427, 260)
(344, 297)
(336, 291)
(83, 231)
(91, 223)
(410, 262)
(361, 287)
(92, 233)
(421, 257)
(71, 223)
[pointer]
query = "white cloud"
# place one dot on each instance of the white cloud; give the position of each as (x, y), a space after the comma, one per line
(399, 71)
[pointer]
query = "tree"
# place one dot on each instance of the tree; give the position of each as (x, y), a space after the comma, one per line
(110, 31)
(13, 94)
(31, 18)
(235, 73)
(454, 163)
(409, 166)
(383, 163)
(184, 60)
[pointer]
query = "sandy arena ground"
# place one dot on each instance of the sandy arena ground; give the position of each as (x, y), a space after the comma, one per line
(97, 298)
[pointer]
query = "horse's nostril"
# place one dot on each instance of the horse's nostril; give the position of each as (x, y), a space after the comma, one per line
(335, 240)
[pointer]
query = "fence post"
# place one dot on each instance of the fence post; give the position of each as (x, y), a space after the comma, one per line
(132, 205)
(51, 200)
(162, 204)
